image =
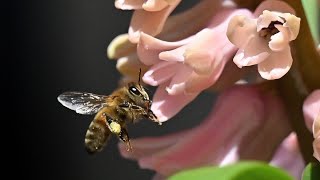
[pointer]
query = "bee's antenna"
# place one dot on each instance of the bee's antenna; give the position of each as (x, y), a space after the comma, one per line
(139, 76)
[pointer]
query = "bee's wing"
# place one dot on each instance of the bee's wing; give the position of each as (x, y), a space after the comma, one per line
(83, 103)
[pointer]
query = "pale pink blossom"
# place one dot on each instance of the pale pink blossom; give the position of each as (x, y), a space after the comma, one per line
(184, 68)
(311, 110)
(245, 124)
(264, 40)
(176, 27)
(288, 157)
(149, 15)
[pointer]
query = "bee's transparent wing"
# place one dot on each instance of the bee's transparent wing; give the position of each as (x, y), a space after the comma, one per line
(83, 103)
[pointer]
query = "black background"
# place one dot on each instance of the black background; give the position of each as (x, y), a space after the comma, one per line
(57, 46)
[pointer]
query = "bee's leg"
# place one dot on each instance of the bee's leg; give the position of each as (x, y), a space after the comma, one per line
(141, 112)
(153, 117)
(136, 112)
(125, 108)
(112, 124)
(125, 105)
(147, 113)
(118, 129)
(123, 136)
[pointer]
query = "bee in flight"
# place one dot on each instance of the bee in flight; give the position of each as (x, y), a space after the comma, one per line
(126, 104)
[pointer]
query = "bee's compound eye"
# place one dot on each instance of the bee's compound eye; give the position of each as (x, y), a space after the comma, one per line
(134, 91)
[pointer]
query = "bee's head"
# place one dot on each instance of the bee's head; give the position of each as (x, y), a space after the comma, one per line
(138, 95)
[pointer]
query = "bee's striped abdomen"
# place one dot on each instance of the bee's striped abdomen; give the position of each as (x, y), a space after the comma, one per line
(96, 136)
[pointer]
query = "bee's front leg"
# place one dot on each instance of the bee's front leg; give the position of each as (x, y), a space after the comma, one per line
(153, 117)
(136, 112)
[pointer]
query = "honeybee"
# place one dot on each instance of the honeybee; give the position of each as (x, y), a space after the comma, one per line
(126, 104)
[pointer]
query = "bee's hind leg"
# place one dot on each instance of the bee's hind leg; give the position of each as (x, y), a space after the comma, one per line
(124, 137)
(119, 129)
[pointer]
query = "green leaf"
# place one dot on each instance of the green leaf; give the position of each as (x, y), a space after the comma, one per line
(311, 9)
(240, 171)
(311, 172)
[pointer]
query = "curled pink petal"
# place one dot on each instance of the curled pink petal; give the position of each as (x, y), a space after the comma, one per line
(165, 106)
(128, 4)
(177, 83)
(155, 5)
(280, 40)
(241, 29)
(255, 51)
(288, 157)
(241, 59)
(149, 48)
(311, 108)
(197, 83)
(266, 18)
(149, 22)
(276, 65)
(198, 55)
(160, 73)
(173, 55)
(293, 25)
(199, 62)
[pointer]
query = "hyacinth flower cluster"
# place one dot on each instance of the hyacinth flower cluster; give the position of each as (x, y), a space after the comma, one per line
(261, 59)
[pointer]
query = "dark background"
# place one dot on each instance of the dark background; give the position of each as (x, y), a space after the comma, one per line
(57, 46)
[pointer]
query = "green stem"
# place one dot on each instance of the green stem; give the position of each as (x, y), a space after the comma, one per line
(294, 101)
(305, 52)
(303, 78)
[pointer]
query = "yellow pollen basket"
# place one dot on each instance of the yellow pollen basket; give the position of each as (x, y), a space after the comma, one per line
(115, 127)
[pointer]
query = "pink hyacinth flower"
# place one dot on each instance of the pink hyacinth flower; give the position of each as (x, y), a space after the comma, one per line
(184, 68)
(245, 123)
(265, 40)
(311, 110)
